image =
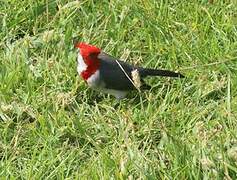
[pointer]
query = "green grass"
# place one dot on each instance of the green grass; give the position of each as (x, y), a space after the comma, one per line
(53, 126)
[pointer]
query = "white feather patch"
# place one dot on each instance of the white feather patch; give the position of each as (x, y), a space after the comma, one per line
(81, 65)
(116, 93)
(94, 79)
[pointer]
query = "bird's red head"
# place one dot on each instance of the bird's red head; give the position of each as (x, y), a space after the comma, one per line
(89, 55)
(88, 52)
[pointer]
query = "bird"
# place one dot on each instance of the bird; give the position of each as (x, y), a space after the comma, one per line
(107, 74)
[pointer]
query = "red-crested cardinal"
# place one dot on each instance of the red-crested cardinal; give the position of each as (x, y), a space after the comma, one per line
(109, 75)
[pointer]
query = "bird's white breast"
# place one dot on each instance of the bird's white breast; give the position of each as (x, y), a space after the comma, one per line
(94, 80)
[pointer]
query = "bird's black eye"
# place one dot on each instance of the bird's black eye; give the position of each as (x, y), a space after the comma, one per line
(93, 55)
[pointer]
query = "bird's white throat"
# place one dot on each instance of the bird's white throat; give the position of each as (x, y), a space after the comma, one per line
(93, 80)
(81, 65)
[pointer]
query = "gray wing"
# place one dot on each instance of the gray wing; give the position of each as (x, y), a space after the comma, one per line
(112, 74)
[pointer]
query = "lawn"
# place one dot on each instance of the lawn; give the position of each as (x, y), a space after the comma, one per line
(53, 126)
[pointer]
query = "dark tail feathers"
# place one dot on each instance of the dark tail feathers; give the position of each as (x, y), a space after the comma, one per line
(158, 72)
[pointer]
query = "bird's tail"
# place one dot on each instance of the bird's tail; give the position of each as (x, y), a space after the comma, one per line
(158, 72)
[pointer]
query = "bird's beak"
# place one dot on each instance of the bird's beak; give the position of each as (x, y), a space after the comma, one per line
(76, 42)
(76, 45)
